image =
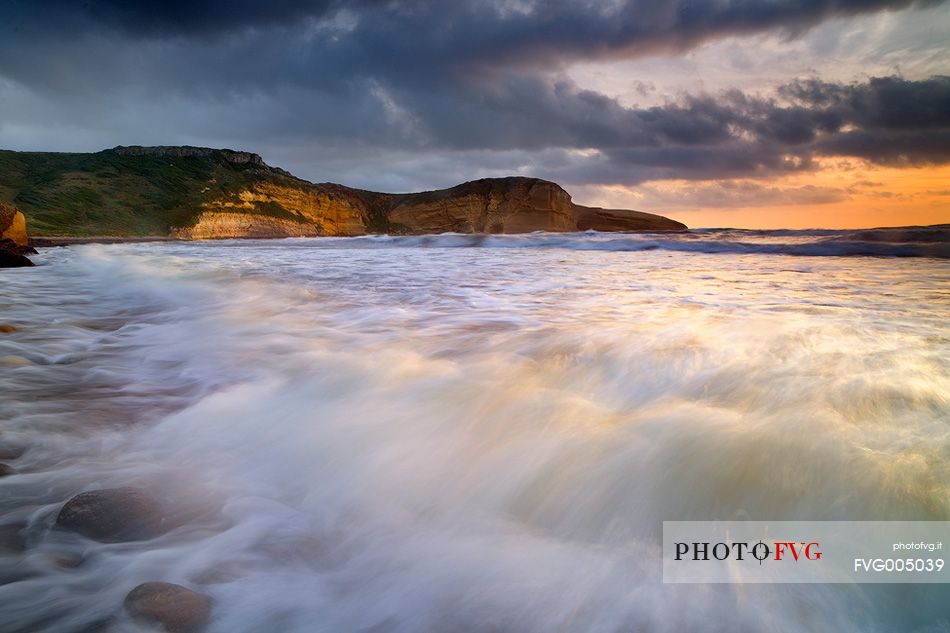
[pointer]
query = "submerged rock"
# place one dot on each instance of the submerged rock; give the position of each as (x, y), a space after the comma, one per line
(11, 537)
(175, 608)
(113, 515)
(9, 451)
(6, 328)
(11, 360)
(6, 469)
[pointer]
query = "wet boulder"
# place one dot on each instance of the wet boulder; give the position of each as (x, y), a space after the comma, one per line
(113, 515)
(6, 469)
(11, 255)
(175, 608)
(10, 451)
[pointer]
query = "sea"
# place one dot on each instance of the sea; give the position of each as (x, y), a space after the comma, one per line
(471, 434)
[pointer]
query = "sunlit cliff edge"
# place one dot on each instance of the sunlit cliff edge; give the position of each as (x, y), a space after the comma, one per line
(201, 193)
(12, 225)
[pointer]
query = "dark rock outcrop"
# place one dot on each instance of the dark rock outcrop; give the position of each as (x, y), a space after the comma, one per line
(12, 256)
(597, 219)
(187, 151)
(113, 515)
(175, 608)
(6, 469)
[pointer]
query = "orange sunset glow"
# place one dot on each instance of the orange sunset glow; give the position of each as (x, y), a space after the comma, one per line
(838, 194)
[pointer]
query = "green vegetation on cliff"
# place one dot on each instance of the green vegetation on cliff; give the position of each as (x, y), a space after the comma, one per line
(118, 193)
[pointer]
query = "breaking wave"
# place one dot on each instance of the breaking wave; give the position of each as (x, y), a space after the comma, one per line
(910, 242)
(394, 435)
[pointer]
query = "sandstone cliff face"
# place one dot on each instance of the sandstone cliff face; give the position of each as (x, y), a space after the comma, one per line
(219, 225)
(491, 205)
(513, 205)
(302, 212)
(13, 225)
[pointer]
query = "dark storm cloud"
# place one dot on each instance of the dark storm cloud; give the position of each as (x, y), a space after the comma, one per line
(883, 102)
(886, 120)
(164, 18)
(480, 32)
(418, 78)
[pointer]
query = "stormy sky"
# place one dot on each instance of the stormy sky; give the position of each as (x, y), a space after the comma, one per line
(717, 112)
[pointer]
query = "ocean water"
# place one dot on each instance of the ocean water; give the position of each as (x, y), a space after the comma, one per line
(469, 433)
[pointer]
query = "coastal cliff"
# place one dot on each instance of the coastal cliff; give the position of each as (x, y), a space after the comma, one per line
(12, 225)
(490, 205)
(203, 193)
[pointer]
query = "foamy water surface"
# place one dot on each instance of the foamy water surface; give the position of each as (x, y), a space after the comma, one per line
(470, 434)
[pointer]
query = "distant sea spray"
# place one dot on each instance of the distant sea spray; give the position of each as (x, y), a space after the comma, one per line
(911, 242)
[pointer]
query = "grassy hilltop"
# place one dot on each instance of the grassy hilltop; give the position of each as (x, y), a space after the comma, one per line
(119, 193)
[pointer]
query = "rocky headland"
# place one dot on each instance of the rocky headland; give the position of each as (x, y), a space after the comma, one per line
(203, 193)
(14, 242)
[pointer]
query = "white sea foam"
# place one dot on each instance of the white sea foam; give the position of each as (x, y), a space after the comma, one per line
(467, 434)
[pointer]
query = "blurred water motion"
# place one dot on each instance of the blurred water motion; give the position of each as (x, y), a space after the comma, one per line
(462, 433)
